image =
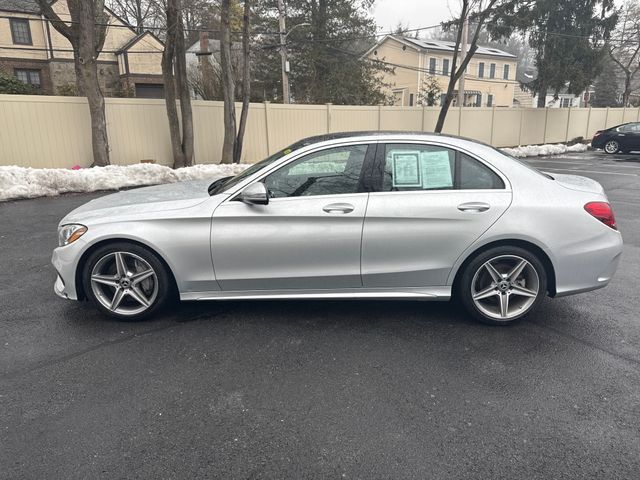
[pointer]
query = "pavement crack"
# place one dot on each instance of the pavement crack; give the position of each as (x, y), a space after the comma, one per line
(64, 358)
(632, 360)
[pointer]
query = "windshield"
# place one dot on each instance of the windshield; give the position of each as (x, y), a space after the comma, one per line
(224, 186)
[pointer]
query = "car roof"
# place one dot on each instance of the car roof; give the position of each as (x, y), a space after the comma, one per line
(381, 135)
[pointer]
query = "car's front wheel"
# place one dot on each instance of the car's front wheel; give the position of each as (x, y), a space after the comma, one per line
(502, 285)
(611, 147)
(126, 281)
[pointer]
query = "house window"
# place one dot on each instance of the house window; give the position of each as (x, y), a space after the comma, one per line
(30, 77)
(492, 70)
(398, 97)
(565, 102)
(481, 69)
(20, 31)
(489, 100)
(432, 66)
(505, 73)
(411, 99)
(445, 66)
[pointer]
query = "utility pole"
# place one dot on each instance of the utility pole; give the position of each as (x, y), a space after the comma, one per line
(283, 52)
(463, 54)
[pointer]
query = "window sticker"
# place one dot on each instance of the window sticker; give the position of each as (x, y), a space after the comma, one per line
(406, 169)
(436, 170)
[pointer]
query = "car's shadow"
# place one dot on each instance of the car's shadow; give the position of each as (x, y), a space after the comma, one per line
(315, 313)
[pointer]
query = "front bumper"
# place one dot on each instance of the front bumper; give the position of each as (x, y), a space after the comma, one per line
(59, 288)
(598, 142)
(65, 261)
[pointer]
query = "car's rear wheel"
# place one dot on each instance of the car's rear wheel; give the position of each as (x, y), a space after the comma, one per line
(126, 281)
(611, 147)
(502, 285)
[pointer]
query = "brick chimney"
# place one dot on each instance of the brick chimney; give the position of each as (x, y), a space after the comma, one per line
(204, 43)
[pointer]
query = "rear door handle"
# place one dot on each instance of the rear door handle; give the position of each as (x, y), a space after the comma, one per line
(474, 207)
(338, 208)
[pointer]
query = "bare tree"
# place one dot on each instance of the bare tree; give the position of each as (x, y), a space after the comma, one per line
(625, 48)
(478, 11)
(139, 13)
(86, 33)
(205, 79)
(246, 81)
(228, 83)
(174, 72)
(232, 145)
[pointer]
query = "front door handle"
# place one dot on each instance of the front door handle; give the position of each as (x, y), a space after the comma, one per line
(338, 208)
(476, 207)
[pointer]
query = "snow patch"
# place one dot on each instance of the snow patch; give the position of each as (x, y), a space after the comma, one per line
(20, 182)
(544, 150)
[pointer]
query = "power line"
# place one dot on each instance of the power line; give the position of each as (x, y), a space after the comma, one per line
(128, 26)
(206, 30)
(69, 21)
(114, 52)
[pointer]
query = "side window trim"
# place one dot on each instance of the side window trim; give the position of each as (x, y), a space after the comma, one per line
(379, 165)
(234, 192)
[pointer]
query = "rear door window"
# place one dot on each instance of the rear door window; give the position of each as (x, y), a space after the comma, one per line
(410, 167)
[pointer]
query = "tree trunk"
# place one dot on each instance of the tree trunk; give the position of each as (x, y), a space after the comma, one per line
(99, 139)
(627, 89)
(442, 116)
(186, 109)
(86, 34)
(87, 64)
(78, 71)
(170, 92)
(456, 73)
(174, 73)
(542, 93)
(228, 84)
(246, 82)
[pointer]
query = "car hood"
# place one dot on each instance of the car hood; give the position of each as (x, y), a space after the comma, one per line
(576, 182)
(158, 198)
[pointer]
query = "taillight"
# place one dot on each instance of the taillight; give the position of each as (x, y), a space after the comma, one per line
(603, 212)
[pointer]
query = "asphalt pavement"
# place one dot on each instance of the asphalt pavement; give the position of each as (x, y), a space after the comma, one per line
(309, 389)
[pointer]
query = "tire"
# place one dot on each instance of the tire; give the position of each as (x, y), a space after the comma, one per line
(134, 274)
(485, 292)
(611, 147)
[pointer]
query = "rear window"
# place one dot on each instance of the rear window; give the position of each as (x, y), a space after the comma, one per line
(524, 164)
(409, 167)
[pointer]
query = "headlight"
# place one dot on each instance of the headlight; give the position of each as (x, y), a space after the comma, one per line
(70, 233)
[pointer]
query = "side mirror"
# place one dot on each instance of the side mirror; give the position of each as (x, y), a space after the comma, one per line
(255, 194)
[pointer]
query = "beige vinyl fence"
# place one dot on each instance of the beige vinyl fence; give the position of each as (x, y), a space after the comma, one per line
(48, 132)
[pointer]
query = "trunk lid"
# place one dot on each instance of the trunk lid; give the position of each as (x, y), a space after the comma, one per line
(578, 183)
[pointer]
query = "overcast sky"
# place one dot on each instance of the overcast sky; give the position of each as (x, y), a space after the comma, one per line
(414, 13)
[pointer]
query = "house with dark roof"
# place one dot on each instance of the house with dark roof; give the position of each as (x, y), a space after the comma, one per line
(33, 51)
(490, 77)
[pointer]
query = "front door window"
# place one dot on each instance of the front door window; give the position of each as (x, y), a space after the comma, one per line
(334, 171)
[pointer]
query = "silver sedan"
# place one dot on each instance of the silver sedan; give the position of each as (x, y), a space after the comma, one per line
(359, 215)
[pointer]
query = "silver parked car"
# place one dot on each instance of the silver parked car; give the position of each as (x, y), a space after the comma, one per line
(358, 215)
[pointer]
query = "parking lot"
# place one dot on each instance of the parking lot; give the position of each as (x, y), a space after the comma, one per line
(310, 389)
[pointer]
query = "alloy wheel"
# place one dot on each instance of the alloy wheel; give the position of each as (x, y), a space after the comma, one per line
(611, 146)
(505, 287)
(124, 283)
